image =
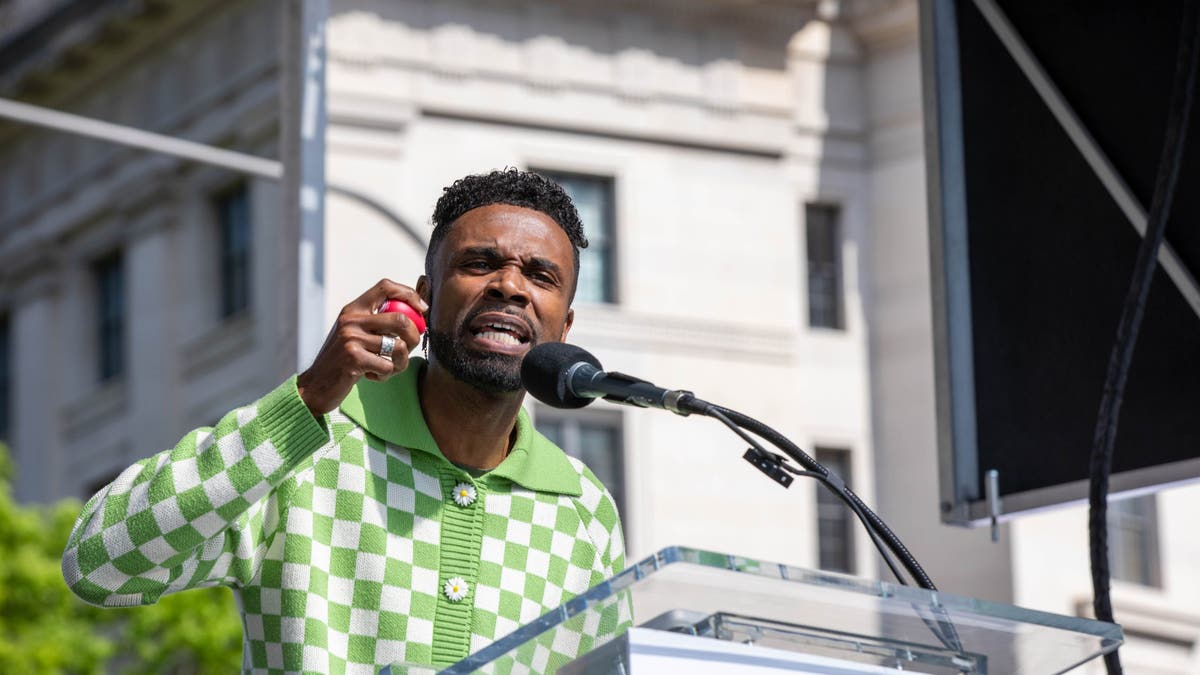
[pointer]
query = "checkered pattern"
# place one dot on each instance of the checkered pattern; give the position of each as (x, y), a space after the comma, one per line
(538, 551)
(338, 543)
(569, 639)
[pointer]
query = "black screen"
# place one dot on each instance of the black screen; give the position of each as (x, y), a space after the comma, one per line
(1050, 253)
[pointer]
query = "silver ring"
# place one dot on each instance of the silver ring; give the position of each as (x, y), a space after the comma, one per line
(387, 347)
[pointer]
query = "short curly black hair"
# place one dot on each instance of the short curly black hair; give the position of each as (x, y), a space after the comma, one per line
(507, 186)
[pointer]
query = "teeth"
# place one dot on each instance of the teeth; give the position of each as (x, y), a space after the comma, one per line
(497, 336)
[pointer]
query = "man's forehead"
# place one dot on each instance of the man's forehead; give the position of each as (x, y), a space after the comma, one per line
(508, 228)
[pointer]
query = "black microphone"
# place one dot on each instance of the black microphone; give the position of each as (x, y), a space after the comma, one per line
(562, 375)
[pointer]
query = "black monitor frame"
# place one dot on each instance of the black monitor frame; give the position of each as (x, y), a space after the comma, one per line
(966, 416)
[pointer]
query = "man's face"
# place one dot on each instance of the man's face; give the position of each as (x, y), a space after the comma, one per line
(502, 283)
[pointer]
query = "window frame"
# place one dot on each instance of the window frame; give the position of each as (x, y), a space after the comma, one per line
(840, 460)
(222, 202)
(836, 276)
(610, 290)
(111, 357)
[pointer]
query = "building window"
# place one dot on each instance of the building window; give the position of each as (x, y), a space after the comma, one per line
(233, 219)
(1133, 540)
(593, 197)
(835, 522)
(823, 247)
(595, 437)
(5, 376)
(110, 314)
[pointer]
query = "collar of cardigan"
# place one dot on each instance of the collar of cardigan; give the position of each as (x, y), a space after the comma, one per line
(391, 410)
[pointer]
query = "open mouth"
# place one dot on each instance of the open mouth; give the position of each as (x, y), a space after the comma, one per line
(501, 329)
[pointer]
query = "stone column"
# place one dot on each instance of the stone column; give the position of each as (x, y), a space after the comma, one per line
(35, 435)
(152, 372)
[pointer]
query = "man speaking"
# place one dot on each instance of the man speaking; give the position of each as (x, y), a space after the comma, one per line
(379, 508)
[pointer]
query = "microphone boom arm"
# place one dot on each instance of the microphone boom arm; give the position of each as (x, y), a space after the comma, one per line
(588, 381)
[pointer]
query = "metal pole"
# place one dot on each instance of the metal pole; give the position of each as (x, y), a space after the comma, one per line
(116, 133)
(254, 165)
(302, 150)
(311, 281)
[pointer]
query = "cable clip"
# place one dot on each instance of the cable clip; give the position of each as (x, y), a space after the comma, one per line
(769, 465)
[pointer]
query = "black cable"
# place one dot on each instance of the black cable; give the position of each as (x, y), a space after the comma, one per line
(823, 477)
(941, 627)
(1104, 438)
(879, 545)
(875, 522)
(840, 494)
(862, 517)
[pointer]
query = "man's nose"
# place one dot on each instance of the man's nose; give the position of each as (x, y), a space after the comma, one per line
(508, 283)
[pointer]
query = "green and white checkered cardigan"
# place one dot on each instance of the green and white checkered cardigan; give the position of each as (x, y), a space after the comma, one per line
(340, 540)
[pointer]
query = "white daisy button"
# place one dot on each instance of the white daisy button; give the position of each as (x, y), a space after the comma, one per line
(464, 494)
(456, 589)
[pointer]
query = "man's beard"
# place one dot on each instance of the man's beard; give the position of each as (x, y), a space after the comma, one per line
(487, 371)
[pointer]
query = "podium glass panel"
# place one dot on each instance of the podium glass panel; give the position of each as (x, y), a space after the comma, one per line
(782, 609)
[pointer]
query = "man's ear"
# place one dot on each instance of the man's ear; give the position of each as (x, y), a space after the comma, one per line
(567, 325)
(424, 290)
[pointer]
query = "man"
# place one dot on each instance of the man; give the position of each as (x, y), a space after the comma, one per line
(378, 508)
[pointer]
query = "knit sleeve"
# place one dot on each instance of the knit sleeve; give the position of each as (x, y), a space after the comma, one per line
(615, 614)
(195, 515)
(598, 511)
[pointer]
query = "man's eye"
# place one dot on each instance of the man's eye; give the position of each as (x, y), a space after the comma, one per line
(478, 265)
(543, 277)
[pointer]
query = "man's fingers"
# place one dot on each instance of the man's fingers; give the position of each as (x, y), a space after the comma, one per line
(399, 361)
(399, 351)
(375, 366)
(365, 335)
(373, 299)
(351, 350)
(393, 323)
(406, 294)
(380, 368)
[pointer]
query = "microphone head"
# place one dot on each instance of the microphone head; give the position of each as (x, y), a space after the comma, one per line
(544, 373)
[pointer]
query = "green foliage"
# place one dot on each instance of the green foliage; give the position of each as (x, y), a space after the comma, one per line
(44, 628)
(196, 631)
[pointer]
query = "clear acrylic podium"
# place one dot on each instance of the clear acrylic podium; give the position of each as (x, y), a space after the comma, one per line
(690, 611)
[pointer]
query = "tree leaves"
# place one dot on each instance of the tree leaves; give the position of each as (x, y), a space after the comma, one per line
(44, 628)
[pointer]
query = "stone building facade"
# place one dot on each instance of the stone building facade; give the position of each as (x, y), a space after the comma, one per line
(752, 175)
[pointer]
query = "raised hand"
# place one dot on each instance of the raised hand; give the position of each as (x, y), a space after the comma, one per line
(355, 347)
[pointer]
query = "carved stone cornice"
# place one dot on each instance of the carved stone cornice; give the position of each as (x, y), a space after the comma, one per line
(886, 24)
(697, 60)
(608, 325)
(34, 274)
(78, 38)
